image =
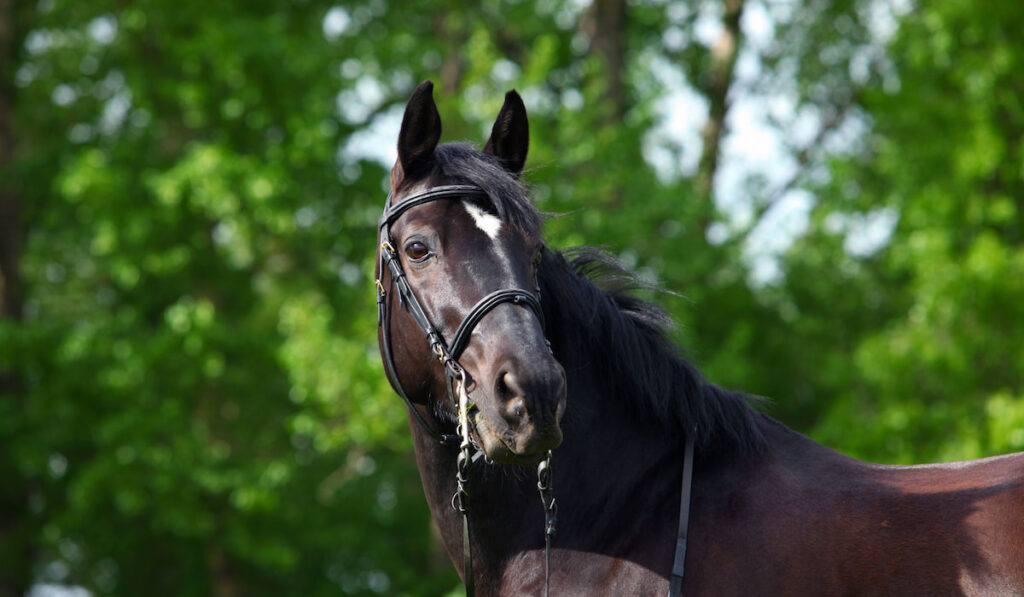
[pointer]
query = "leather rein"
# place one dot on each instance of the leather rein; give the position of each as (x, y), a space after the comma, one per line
(448, 355)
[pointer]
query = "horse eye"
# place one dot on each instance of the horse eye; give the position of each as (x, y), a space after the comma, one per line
(416, 251)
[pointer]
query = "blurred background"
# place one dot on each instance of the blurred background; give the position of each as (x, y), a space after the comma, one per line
(191, 398)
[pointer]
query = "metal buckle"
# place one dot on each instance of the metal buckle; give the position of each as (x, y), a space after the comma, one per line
(435, 347)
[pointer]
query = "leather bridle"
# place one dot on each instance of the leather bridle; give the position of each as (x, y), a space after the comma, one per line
(455, 380)
(448, 355)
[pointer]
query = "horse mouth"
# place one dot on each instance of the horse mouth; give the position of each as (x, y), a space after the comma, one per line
(499, 448)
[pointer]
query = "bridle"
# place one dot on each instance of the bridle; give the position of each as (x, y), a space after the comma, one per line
(455, 380)
(448, 355)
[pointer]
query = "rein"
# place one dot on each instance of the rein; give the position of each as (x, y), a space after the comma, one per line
(675, 585)
(456, 382)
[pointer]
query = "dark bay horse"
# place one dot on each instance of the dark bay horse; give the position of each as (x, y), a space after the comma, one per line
(772, 512)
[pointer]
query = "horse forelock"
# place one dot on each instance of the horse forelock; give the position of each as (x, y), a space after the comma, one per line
(460, 163)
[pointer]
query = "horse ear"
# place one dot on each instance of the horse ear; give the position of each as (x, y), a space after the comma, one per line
(510, 136)
(418, 137)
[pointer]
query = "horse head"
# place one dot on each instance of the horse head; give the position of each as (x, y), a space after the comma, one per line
(464, 260)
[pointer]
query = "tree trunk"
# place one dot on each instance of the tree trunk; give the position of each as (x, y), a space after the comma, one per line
(605, 24)
(453, 64)
(10, 205)
(15, 544)
(224, 582)
(720, 79)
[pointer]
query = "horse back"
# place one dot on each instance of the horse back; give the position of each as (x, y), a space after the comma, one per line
(803, 519)
(968, 515)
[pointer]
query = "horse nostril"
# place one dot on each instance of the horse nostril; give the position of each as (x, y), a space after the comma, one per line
(516, 410)
(508, 385)
(504, 385)
(508, 390)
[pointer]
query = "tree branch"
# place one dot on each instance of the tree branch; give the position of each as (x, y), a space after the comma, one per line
(805, 158)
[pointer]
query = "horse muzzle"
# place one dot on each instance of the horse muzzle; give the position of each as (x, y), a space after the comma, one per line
(519, 421)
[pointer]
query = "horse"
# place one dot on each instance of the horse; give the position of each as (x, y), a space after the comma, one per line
(568, 369)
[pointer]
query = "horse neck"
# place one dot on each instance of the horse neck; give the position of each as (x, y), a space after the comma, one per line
(616, 452)
(505, 512)
(616, 474)
(608, 452)
(612, 478)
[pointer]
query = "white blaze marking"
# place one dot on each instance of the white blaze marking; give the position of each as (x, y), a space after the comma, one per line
(489, 223)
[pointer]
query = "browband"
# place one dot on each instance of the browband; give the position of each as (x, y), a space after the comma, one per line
(391, 211)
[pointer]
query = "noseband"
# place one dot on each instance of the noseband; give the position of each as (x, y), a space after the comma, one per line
(448, 355)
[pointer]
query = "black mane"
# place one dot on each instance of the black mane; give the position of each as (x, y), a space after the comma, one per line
(586, 296)
(629, 347)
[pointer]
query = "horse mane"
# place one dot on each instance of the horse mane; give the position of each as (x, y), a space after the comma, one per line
(590, 295)
(627, 344)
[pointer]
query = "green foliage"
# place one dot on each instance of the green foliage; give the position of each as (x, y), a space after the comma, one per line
(939, 375)
(201, 409)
